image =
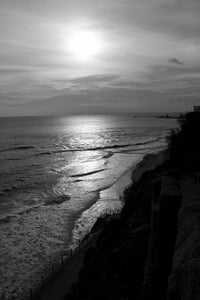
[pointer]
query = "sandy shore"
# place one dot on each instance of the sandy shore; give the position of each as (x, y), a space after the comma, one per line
(60, 284)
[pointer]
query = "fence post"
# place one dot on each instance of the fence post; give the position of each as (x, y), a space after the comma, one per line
(43, 281)
(31, 294)
(62, 262)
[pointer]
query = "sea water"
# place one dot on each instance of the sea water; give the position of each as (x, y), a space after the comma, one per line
(57, 175)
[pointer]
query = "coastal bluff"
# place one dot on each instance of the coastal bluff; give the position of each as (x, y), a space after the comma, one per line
(184, 281)
(152, 250)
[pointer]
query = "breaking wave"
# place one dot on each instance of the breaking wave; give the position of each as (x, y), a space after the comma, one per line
(116, 146)
(22, 147)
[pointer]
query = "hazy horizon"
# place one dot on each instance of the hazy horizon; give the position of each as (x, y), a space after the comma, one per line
(161, 113)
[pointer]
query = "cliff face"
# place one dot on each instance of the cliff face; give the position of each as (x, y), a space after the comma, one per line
(153, 250)
(184, 282)
(115, 270)
(166, 203)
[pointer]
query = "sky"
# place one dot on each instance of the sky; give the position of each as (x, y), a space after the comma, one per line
(99, 56)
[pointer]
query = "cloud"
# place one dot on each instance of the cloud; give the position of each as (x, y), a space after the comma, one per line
(143, 42)
(175, 61)
(95, 78)
(79, 84)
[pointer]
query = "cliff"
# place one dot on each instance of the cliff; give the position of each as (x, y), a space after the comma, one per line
(152, 250)
(184, 282)
(135, 253)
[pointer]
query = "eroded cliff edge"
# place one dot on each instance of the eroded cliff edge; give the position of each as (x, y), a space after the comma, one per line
(152, 251)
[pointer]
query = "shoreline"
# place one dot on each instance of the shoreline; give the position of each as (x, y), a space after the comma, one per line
(111, 199)
(54, 284)
(110, 202)
(121, 256)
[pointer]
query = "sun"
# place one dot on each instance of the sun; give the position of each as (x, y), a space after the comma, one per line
(84, 44)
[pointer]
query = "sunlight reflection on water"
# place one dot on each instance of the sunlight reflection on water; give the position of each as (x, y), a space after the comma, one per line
(86, 123)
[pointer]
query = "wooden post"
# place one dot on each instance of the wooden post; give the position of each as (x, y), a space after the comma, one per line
(31, 294)
(43, 281)
(62, 262)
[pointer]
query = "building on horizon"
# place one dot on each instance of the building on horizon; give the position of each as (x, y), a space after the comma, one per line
(196, 108)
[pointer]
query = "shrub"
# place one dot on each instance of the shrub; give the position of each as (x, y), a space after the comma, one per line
(184, 143)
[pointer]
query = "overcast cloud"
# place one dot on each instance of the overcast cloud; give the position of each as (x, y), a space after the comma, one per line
(149, 59)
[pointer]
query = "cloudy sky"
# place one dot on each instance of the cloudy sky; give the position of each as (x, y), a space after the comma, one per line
(90, 56)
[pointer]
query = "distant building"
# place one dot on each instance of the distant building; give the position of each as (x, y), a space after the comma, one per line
(196, 108)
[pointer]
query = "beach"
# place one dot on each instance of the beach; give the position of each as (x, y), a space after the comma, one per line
(62, 281)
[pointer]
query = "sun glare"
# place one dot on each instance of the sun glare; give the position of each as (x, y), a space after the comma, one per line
(84, 44)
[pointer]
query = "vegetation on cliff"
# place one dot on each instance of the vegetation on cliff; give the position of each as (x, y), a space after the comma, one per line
(184, 143)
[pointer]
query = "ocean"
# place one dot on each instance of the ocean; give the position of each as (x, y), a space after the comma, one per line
(57, 175)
